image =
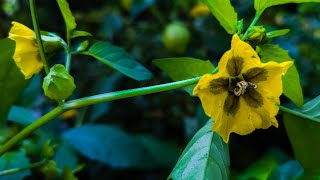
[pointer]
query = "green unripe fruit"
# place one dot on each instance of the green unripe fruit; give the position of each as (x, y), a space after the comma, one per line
(58, 84)
(176, 37)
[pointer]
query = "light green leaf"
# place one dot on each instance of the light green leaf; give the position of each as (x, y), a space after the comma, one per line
(291, 80)
(277, 33)
(67, 15)
(184, 68)
(225, 14)
(205, 157)
(114, 147)
(304, 134)
(118, 59)
(14, 159)
(12, 81)
(261, 5)
(76, 34)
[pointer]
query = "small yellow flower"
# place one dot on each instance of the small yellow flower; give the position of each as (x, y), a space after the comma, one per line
(200, 9)
(26, 55)
(244, 94)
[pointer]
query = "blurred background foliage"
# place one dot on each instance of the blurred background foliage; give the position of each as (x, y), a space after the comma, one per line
(142, 137)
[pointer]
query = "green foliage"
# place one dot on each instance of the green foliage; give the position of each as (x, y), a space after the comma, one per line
(184, 68)
(118, 59)
(14, 159)
(259, 170)
(291, 80)
(304, 135)
(205, 157)
(261, 5)
(225, 14)
(21, 115)
(67, 15)
(58, 84)
(65, 156)
(276, 33)
(76, 34)
(113, 147)
(12, 81)
(289, 170)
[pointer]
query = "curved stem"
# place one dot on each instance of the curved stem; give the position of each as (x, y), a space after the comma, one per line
(38, 35)
(32, 127)
(15, 170)
(254, 21)
(87, 101)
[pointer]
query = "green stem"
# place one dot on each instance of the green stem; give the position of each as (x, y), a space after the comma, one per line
(254, 21)
(38, 35)
(32, 127)
(297, 113)
(15, 170)
(87, 101)
(68, 51)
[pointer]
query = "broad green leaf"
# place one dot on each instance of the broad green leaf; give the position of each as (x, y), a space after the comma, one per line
(113, 147)
(259, 170)
(14, 159)
(291, 81)
(22, 115)
(69, 20)
(12, 81)
(277, 33)
(184, 68)
(118, 59)
(289, 170)
(225, 14)
(261, 5)
(205, 157)
(65, 156)
(76, 34)
(304, 134)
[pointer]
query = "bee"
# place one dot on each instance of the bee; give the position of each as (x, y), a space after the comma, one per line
(242, 86)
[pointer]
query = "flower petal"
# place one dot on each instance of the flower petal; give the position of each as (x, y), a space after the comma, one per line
(20, 30)
(239, 56)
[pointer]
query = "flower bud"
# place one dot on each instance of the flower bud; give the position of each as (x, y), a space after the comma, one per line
(257, 34)
(58, 84)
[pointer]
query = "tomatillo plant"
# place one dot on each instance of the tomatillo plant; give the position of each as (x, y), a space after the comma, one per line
(239, 95)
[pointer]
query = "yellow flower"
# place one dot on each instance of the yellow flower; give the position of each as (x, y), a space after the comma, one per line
(244, 94)
(26, 55)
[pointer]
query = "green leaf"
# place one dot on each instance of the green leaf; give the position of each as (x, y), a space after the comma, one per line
(21, 115)
(277, 33)
(118, 59)
(304, 134)
(12, 81)
(184, 68)
(205, 157)
(65, 156)
(113, 147)
(225, 14)
(291, 80)
(14, 159)
(261, 5)
(76, 34)
(260, 169)
(69, 20)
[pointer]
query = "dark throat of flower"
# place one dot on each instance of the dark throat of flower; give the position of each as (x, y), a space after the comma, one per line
(242, 87)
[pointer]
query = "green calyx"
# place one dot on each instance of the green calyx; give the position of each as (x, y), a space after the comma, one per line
(58, 84)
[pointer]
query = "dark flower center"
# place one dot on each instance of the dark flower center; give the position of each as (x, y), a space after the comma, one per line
(242, 86)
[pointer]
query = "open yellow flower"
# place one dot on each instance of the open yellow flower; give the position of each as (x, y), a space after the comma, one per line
(26, 55)
(244, 94)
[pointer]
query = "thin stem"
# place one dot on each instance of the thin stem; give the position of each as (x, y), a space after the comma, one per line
(297, 113)
(15, 170)
(254, 21)
(78, 103)
(38, 35)
(32, 127)
(68, 60)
